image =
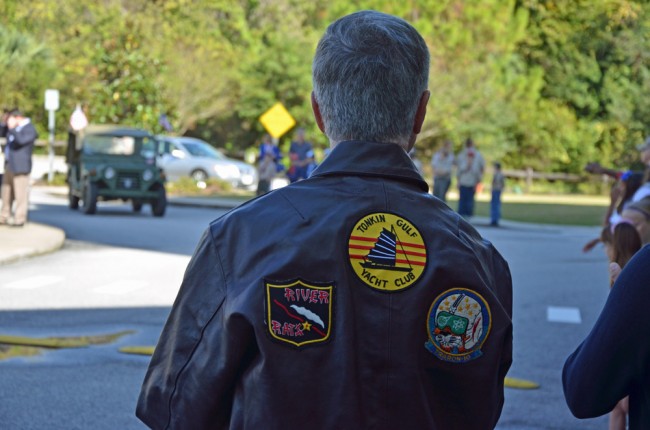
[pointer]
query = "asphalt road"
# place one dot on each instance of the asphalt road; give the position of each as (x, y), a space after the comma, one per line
(120, 271)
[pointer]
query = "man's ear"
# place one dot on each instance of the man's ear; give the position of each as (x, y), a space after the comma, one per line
(421, 112)
(317, 115)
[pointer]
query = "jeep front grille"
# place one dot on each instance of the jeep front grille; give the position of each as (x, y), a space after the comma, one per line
(128, 181)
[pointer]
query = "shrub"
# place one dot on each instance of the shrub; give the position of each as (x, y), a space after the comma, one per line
(59, 179)
(190, 187)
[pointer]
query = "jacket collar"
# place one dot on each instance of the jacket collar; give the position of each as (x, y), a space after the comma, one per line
(360, 158)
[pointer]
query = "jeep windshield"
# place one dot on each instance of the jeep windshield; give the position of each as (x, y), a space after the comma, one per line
(119, 145)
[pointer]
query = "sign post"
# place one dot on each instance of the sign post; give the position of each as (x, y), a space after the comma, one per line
(51, 105)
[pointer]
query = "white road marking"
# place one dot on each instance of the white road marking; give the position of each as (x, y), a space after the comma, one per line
(33, 282)
(563, 315)
(118, 288)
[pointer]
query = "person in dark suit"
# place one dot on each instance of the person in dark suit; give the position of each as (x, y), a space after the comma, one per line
(20, 134)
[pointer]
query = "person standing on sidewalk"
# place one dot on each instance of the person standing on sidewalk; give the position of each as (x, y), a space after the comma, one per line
(470, 172)
(498, 184)
(21, 136)
(269, 147)
(266, 169)
(301, 155)
(442, 163)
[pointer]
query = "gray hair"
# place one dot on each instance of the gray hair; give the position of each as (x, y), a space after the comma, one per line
(369, 72)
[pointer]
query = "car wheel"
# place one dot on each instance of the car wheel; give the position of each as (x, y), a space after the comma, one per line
(159, 205)
(73, 201)
(137, 205)
(90, 198)
(199, 175)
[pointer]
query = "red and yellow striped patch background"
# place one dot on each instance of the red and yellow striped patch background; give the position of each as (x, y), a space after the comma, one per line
(405, 257)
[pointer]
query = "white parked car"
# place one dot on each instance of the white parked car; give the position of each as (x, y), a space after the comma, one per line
(188, 156)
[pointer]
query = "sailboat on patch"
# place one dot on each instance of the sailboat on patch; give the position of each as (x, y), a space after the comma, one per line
(383, 254)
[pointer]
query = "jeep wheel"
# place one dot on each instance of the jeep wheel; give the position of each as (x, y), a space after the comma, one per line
(199, 175)
(159, 205)
(73, 201)
(90, 198)
(137, 205)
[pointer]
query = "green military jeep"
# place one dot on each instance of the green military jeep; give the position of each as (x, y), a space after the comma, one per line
(113, 162)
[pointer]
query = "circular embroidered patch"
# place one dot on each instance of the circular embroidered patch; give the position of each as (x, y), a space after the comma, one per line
(458, 323)
(387, 252)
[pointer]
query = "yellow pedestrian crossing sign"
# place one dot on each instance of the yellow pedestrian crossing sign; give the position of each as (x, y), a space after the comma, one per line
(277, 120)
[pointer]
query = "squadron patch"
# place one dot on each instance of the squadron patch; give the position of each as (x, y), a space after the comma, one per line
(458, 324)
(298, 312)
(387, 252)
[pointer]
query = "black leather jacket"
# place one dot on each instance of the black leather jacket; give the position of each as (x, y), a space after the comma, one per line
(350, 300)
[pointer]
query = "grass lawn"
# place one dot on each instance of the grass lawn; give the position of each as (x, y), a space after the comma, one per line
(544, 209)
(540, 209)
(559, 209)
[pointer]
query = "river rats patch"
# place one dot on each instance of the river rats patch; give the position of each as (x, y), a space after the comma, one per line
(299, 312)
(387, 252)
(458, 324)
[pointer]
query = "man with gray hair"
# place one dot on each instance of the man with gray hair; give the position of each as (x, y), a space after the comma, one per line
(349, 300)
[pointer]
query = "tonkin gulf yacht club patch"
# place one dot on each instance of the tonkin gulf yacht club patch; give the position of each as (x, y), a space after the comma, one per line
(299, 312)
(387, 252)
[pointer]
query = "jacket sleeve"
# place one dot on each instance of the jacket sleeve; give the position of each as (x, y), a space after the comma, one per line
(602, 370)
(25, 135)
(190, 379)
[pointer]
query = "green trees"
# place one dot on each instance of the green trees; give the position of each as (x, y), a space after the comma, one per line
(27, 66)
(547, 84)
(594, 58)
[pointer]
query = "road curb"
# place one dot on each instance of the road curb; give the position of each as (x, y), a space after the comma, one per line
(209, 203)
(31, 240)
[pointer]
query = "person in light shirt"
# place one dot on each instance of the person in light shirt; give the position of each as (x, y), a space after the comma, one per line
(442, 163)
(470, 168)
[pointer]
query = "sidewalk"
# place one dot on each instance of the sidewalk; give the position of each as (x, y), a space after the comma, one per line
(27, 241)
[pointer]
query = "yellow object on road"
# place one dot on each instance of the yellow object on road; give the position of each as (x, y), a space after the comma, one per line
(63, 342)
(137, 350)
(521, 384)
